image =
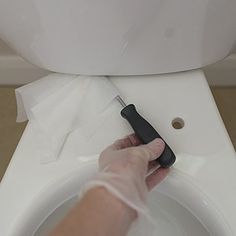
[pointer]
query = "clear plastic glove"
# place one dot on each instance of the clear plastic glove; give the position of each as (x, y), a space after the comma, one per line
(124, 170)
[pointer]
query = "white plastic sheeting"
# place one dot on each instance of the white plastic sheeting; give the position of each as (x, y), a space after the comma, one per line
(60, 104)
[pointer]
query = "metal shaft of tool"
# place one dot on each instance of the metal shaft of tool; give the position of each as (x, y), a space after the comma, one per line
(121, 101)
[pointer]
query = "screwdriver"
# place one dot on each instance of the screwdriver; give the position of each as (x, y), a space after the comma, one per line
(145, 132)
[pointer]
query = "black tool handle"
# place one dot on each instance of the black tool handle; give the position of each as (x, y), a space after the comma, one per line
(147, 133)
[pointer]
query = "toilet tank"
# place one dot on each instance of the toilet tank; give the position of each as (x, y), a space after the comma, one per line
(119, 37)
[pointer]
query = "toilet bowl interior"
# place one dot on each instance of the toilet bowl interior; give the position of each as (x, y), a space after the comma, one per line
(177, 206)
(169, 216)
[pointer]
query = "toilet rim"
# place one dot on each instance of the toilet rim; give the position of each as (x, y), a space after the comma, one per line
(182, 188)
(177, 186)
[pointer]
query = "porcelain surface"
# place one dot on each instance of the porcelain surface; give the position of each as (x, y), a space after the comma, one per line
(199, 186)
(113, 37)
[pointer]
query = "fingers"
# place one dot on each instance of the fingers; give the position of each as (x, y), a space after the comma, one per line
(147, 152)
(153, 165)
(156, 177)
(134, 139)
(152, 150)
(128, 141)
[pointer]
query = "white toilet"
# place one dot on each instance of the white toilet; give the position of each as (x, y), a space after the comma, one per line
(135, 43)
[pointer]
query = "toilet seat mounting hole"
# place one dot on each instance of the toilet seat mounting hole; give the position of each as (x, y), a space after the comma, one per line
(177, 123)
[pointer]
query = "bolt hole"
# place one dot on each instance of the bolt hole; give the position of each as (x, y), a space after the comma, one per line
(178, 123)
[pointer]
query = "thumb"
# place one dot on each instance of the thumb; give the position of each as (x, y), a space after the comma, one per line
(154, 149)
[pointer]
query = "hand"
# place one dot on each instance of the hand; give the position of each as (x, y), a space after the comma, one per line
(124, 168)
(118, 192)
(126, 156)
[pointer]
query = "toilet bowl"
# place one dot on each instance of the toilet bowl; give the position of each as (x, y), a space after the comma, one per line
(170, 217)
(131, 42)
(196, 198)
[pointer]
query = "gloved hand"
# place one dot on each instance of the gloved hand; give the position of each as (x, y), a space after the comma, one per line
(124, 171)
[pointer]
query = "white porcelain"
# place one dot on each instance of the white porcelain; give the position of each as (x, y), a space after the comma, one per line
(171, 217)
(113, 37)
(201, 186)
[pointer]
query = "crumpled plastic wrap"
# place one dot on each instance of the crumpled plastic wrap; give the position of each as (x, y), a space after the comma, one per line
(59, 104)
